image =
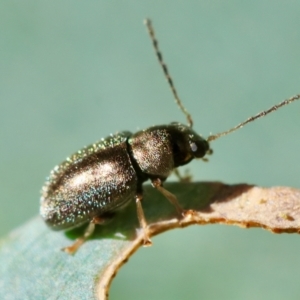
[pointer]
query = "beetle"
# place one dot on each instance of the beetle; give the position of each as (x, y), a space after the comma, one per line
(102, 178)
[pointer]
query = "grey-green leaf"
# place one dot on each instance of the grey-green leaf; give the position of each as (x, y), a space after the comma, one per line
(32, 266)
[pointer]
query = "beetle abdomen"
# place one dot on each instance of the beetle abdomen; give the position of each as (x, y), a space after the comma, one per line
(97, 179)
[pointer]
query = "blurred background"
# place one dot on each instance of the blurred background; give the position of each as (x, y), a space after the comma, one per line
(72, 72)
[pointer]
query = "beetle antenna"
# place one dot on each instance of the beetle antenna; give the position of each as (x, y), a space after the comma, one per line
(166, 72)
(259, 115)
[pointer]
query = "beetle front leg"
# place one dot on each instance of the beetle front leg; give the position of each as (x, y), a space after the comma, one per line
(157, 183)
(87, 233)
(142, 219)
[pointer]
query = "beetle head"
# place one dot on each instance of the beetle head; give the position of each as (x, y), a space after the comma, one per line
(187, 144)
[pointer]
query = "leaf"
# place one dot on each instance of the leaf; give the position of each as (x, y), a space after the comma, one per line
(33, 267)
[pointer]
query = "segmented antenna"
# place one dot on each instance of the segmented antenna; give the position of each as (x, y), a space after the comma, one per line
(166, 72)
(259, 115)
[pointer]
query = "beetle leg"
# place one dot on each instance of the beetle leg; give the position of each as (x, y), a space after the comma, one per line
(87, 233)
(187, 177)
(142, 219)
(157, 183)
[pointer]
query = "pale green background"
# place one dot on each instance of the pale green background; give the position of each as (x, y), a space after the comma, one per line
(72, 72)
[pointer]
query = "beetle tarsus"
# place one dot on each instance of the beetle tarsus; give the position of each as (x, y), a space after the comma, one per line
(147, 242)
(186, 178)
(142, 220)
(74, 247)
(88, 232)
(189, 213)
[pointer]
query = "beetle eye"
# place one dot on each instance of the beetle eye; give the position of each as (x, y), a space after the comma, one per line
(198, 148)
(194, 147)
